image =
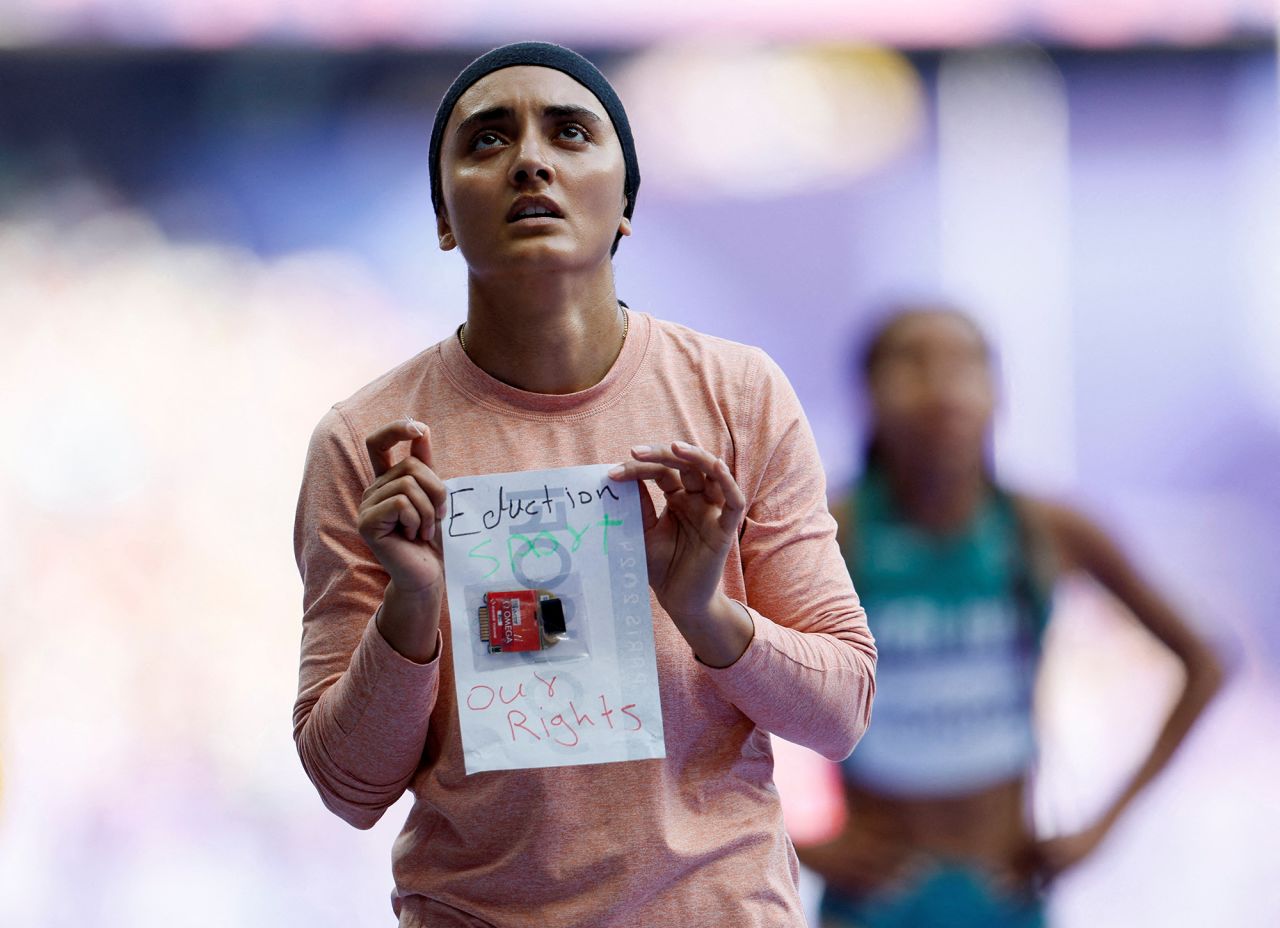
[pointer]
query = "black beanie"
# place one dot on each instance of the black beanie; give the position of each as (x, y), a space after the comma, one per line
(541, 55)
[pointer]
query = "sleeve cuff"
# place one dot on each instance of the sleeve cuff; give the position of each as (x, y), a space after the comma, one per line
(387, 660)
(748, 666)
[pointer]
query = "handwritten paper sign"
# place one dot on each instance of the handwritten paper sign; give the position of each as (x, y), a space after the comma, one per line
(588, 695)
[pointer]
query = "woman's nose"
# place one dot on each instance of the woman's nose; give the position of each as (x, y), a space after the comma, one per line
(531, 163)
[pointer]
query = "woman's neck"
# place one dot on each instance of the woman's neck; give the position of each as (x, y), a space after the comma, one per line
(941, 499)
(545, 332)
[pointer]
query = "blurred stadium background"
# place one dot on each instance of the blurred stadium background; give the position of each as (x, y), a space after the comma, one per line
(215, 221)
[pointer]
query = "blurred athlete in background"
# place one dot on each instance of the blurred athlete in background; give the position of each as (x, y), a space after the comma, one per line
(956, 574)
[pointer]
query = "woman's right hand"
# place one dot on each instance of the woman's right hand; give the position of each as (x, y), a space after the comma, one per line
(400, 512)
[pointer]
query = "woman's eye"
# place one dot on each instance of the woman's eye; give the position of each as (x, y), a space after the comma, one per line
(485, 140)
(573, 133)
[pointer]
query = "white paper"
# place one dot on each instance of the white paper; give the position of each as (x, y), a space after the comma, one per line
(592, 697)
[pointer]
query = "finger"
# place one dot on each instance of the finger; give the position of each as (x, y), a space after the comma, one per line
(379, 521)
(428, 479)
(692, 480)
(667, 479)
(692, 460)
(714, 468)
(661, 453)
(714, 490)
(417, 496)
(421, 447)
(648, 512)
(380, 442)
(691, 469)
(734, 505)
(420, 522)
(699, 457)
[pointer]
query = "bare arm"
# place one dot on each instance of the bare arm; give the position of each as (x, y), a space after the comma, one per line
(1084, 545)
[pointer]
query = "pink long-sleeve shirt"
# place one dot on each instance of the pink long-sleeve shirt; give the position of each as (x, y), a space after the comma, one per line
(693, 839)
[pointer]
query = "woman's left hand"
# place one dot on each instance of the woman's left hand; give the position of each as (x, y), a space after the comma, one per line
(1054, 856)
(687, 544)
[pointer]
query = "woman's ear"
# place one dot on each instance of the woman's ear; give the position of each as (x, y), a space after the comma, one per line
(624, 227)
(444, 232)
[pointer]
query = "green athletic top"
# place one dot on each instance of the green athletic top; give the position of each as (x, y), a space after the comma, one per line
(958, 622)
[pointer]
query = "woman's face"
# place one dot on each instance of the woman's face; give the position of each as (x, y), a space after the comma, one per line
(931, 387)
(532, 174)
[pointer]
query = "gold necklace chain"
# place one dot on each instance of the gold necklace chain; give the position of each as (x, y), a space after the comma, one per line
(626, 324)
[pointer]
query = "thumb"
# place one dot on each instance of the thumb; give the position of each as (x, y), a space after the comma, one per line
(648, 513)
(421, 446)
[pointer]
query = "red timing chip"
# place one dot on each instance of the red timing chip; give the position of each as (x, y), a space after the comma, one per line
(521, 620)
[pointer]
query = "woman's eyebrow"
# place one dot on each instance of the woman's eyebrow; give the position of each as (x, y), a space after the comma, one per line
(569, 111)
(485, 117)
